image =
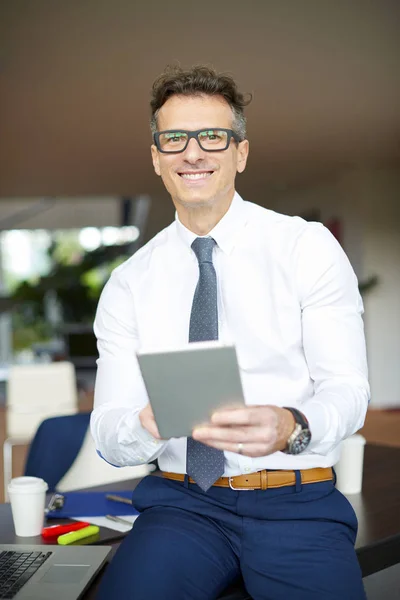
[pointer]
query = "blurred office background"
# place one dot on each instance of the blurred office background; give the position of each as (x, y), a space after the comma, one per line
(78, 194)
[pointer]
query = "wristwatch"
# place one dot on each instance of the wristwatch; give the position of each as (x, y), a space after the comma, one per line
(301, 436)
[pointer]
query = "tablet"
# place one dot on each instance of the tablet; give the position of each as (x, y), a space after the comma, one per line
(186, 386)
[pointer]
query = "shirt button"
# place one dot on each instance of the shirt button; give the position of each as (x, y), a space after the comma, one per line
(247, 469)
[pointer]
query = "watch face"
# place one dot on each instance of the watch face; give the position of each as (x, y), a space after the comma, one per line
(301, 442)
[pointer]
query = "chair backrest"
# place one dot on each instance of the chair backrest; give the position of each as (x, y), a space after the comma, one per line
(89, 469)
(55, 446)
(36, 392)
(63, 453)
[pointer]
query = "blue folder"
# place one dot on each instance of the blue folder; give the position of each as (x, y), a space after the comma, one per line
(92, 504)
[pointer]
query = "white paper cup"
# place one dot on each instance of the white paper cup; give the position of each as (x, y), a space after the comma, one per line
(349, 468)
(28, 498)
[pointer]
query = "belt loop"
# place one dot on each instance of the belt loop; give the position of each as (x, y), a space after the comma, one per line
(264, 479)
(334, 476)
(186, 481)
(299, 486)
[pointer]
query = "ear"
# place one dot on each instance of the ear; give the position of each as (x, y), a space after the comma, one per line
(156, 159)
(242, 154)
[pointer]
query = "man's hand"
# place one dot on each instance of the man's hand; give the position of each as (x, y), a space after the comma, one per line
(148, 421)
(252, 430)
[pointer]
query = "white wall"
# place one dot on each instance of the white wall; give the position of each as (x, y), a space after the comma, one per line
(382, 305)
(368, 202)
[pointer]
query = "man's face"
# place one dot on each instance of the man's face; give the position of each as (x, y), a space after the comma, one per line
(215, 171)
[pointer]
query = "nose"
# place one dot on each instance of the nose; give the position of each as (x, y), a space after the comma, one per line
(193, 152)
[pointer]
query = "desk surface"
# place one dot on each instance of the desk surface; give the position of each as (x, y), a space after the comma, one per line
(377, 509)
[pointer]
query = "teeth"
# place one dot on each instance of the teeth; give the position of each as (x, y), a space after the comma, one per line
(195, 175)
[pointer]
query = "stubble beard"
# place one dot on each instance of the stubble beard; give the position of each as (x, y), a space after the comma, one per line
(205, 205)
(197, 204)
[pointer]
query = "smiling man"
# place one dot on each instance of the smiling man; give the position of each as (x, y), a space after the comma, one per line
(199, 176)
(252, 493)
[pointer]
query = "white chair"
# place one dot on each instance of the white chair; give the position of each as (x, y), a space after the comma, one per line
(34, 393)
(89, 470)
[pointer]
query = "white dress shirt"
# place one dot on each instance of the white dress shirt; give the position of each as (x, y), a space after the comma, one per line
(287, 299)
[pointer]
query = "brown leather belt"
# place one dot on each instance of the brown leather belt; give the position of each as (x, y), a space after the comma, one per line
(262, 480)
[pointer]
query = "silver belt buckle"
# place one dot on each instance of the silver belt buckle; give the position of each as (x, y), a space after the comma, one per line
(238, 489)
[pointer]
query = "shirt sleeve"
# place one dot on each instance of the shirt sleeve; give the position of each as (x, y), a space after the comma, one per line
(120, 393)
(333, 339)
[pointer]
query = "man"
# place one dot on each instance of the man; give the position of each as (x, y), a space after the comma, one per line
(252, 492)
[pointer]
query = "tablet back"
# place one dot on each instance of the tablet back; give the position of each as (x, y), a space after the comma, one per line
(186, 386)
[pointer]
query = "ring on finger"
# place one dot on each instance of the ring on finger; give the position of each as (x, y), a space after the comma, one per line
(240, 448)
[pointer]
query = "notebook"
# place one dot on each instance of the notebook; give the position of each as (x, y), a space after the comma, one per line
(92, 504)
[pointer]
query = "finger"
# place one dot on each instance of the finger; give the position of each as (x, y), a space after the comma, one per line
(148, 410)
(151, 426)
(239, 416)
(234, 405)
(250, 449)
(233, 435)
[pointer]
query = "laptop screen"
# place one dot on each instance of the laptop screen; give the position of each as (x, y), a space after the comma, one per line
(82, 348)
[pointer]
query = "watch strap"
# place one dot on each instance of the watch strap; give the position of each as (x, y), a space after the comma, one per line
(298, 416)
(300, 436)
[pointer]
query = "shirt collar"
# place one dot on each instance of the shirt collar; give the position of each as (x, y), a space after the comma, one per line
(225, 232)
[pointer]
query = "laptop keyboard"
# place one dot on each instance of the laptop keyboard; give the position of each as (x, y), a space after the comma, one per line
(16, 568)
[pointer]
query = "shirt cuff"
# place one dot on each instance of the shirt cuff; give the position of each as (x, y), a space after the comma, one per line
(108, 462)
(317, 418)
(324, 423)
(134, 435)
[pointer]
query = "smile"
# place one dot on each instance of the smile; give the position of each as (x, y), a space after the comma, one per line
(202, 175)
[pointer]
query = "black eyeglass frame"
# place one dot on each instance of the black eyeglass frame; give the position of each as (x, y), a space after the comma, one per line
(195, 134)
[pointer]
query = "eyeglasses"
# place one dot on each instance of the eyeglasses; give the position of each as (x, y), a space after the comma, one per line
(210, 140)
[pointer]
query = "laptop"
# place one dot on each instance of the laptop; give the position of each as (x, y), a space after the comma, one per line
(41, 572)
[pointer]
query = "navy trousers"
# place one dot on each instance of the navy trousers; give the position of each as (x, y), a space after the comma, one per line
(290, 543)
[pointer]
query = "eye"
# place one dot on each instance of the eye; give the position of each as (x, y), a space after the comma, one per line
(175, 137)
(211, 135)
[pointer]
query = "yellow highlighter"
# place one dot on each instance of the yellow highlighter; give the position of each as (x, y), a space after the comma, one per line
(74, 536)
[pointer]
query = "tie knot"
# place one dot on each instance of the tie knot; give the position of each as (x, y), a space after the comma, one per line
(203, 248)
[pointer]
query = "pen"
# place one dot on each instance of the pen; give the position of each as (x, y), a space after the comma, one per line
(119, 520)
(55, 530)
(74, 536)
(118, 499)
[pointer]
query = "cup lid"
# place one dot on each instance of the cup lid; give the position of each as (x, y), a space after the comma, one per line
(27, 485)
(356, 438)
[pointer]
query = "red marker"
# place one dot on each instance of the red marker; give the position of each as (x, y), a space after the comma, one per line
(55, 530)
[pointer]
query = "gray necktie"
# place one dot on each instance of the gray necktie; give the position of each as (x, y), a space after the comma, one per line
(204, 464)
